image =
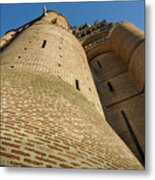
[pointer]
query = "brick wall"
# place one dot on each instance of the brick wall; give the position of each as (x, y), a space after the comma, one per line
(47, 123)
(118, 70)
(51, 114)
(61, 54)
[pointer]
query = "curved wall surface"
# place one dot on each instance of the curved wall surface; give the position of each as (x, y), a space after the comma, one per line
(117, 66)
(137, 65)
(51, 114)
(48, 48)
(125, 39)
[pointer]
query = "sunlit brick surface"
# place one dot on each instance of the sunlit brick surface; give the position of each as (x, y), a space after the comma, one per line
(47, 119)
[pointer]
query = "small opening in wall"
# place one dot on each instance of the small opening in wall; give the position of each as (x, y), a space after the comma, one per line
(29, 41)
(54, 21)
(89, 89)
(11, 67)
(59, 65)
(77, 85)
(99, 64)
(110, 86)
(43, 44)
(25, 48)
(19, 57)
(60, 56)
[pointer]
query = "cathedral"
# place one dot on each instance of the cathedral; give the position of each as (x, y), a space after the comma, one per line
(72, 97)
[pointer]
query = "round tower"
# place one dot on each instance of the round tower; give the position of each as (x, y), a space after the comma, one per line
(125, 38)
(51, 113)
(117, 64)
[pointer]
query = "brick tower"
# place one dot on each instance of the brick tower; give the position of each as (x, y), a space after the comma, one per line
(51, 115)
(115, 54)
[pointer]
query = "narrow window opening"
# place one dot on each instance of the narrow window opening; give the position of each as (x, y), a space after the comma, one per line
(99, 64)
(54, 21)
(59, 65)
(43, 44)
(110, 86)
(77, 85)
(19, 57)
(25, 48)
(11, 67)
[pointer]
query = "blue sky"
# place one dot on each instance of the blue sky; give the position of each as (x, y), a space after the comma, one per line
(77, 13)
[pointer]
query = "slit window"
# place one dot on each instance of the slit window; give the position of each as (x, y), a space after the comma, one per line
(99, 64)
(43, 44)
(77, 85)
(110, 86)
